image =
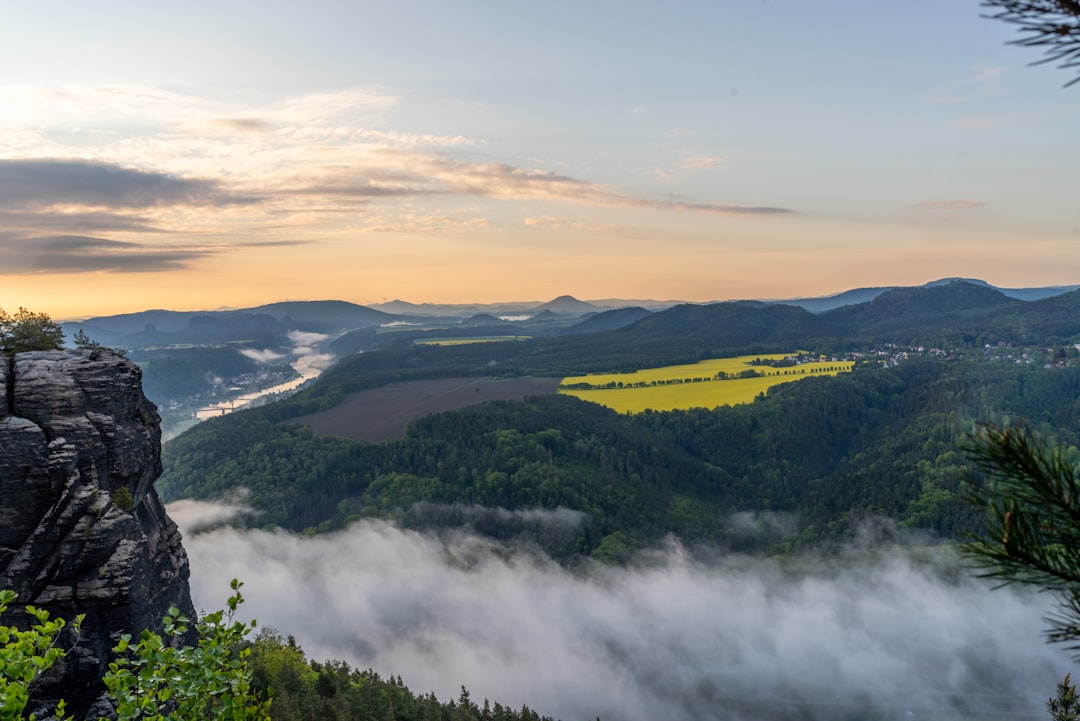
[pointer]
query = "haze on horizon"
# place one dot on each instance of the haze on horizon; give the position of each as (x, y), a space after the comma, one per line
(198, 155)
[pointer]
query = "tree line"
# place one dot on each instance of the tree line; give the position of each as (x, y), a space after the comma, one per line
(826, 450)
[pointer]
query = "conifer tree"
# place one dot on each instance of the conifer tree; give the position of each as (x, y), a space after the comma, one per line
(1053, 25)
(1066, 707)
(1031, 495)
(27, 331)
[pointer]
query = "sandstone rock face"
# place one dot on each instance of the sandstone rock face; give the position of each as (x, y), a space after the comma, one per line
(82, 530)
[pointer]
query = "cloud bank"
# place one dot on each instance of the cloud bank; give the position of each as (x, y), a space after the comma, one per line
(51, 211)
(43, 183)
(197, 516)
(101, 161)
(670, 639)
(264, 355)
(79, 253)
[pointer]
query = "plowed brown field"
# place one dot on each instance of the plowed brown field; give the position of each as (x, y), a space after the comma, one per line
(379, 414)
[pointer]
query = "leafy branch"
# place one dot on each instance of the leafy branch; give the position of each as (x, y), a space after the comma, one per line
(155, 680)
(25, 655)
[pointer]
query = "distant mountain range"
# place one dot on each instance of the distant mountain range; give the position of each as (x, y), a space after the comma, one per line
(958, 311)
(569, 305)
(268, 325)
(563, 305)
(862, 295)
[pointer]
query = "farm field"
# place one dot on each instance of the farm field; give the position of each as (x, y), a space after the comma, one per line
(692, 386)
(467, 341)
(380, 414)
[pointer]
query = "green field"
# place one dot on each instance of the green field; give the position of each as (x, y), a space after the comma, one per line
(468, 341)
(692, 386)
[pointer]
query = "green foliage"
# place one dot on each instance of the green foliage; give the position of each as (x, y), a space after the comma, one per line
(155, 680)
(1030, 493)
(122, 498)
(1066, 707)
(615, 548)
(85, 342)
(304, 689)
(823, 451)
(28, 331)
(25, 655)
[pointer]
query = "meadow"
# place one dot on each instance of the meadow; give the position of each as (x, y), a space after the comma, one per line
(707, 384)
(468, 341)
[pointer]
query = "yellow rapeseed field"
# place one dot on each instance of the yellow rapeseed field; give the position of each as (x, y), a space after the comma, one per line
(693, 386)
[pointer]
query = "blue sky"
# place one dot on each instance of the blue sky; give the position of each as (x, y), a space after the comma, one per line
(199, 155)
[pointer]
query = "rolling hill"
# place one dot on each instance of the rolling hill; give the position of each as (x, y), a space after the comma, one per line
(821, 453)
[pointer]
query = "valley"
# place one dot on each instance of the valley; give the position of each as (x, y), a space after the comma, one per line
(707, 361)
(876, 431)
(416, 492)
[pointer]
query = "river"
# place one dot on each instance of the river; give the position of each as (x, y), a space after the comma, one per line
(308, 362)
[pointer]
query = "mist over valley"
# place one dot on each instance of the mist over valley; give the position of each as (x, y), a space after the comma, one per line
(895, 634)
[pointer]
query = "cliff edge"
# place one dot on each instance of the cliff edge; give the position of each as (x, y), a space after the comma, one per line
(81, 528)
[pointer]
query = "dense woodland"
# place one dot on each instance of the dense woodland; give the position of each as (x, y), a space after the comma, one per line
(302, 689)
(801, 465)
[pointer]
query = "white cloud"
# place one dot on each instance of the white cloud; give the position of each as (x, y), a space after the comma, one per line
(980, 83)
(306, 338)
(318, 165)
(671, 639)
(950, 205)
(551, 222)
(702, 162)
(193, 517)
(89, 106)
(261, 356)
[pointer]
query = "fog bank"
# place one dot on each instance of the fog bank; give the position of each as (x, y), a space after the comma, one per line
(672, 639)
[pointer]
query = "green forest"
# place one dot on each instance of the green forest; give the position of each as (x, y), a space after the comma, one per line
(807, 466)
(817, 455)
(825, 451)
(301, 688)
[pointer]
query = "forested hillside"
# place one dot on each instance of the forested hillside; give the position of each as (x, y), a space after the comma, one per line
(302, 688)
(815, 455)
(802, 464)
(957, 314)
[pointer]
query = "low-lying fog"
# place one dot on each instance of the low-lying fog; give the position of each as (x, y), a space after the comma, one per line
(668, 639)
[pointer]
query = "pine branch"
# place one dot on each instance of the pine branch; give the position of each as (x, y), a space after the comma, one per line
(1050, 24)
(1031, 496)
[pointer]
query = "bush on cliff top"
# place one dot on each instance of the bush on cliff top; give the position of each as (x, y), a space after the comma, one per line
(27, 331)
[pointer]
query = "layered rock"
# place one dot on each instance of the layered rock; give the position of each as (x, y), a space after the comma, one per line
(82, 530)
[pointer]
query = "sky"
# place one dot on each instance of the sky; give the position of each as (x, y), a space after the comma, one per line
(203, 155)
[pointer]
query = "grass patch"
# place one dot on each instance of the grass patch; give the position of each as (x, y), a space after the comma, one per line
(469, 341)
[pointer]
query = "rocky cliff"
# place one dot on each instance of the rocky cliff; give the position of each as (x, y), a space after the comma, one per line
(81, 527)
